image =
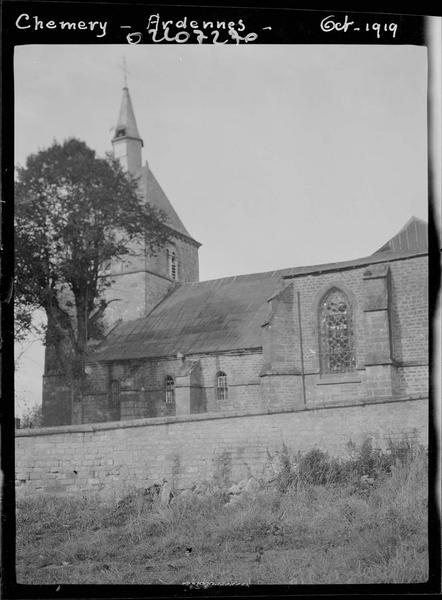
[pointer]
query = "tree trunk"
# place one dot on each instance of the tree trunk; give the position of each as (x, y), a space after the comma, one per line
(76, 402)
(78, 374)
(65, 361)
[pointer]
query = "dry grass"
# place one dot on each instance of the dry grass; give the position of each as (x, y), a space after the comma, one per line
(300, 533)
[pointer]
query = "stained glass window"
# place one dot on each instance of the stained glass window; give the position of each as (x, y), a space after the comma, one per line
(336, 333)
(221, 386)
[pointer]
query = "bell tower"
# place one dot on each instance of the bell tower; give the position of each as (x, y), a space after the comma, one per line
(141, 280)
(137, 282)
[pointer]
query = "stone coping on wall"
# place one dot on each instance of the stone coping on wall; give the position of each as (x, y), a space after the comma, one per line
(151, 421)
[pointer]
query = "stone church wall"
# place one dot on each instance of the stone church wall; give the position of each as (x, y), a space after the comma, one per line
(113, 459)
(412, 380)
(188, 265)
(242, 371)
(187, 255)
(409, 311)
(141, 282)
(390, 322)
(143, 386)
(134, 294)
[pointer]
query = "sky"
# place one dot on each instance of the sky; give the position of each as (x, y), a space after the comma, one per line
(273, 156)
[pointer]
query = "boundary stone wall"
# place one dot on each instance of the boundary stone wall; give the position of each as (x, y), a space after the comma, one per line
(113, 459)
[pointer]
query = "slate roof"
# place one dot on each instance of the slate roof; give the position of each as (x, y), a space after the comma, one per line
(412, 237)
(127, 128)
(156, 196)
(209, 316)
(218, 315)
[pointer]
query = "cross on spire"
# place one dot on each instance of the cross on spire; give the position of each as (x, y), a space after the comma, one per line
(125, 71)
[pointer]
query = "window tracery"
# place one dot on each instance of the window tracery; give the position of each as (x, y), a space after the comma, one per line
(337, 350)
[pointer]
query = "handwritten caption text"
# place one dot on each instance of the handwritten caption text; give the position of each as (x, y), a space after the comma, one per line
(330, 23)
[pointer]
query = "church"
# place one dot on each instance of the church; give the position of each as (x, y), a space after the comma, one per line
(338, 334)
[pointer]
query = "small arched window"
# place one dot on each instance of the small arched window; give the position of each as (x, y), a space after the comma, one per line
(173, 265)
(114, 398)
(169, 384)
(221, 386)
(337, 351)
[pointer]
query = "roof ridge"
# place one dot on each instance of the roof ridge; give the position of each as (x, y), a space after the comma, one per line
(271, 273)
(385, 256)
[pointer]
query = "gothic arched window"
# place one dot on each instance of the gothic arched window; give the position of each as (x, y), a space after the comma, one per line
(221, 386)
(169, 385)
(337, 350)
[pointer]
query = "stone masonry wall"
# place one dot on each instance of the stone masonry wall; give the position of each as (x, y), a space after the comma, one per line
(140, 282)
(409, 314)
(143, 391)
(409, 288)
(133, 295)
(114, 458)
(408, 323)
(390, 320)
(391, 337)
(242, 372)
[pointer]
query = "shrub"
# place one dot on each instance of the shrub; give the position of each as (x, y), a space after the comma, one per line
(364, 463)
(315, 467)
(287, 474)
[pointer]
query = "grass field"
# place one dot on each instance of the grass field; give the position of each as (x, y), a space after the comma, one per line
(319, 523)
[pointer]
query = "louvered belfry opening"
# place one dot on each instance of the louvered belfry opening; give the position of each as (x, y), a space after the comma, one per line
(221, 386)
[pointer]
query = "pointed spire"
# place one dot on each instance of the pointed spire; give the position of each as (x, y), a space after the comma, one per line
(126, 124)
(127, 143)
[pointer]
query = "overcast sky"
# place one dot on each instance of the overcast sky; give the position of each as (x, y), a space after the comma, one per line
(273, 156)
